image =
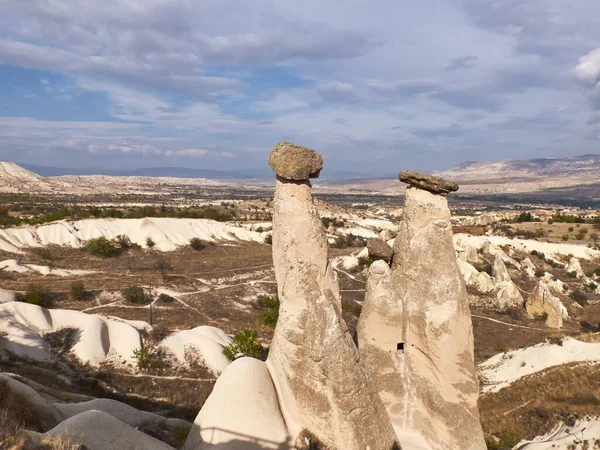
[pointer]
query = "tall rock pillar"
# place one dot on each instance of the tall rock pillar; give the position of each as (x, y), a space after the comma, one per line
(416, 337)
(313, 361)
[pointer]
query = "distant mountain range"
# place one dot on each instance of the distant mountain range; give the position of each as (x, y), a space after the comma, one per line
(584, 166)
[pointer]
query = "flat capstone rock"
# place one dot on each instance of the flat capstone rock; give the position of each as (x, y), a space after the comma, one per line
(293, 162)
(435, 185)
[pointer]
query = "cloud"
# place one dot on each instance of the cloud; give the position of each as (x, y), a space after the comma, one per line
(144, 149)
(337, 92)
(464, 62)
(588, 68)
(188, 152)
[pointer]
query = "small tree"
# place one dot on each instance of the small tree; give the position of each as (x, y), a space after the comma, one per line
(150, 243)
(244, 344)
(34, 295)
(100, 247)
(135, 294)
(269, 239)
(269, 309)
(163, 266)
(78, 290)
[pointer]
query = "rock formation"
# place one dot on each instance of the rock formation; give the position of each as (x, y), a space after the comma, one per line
(242, 409)
(541, 303)
(379, 249)
(416, 336)
(574, 268)
(313, 361)
(435, 185)
(499, 271)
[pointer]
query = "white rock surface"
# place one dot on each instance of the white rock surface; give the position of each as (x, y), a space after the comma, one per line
(504, 369)
(204, 341)
(529, 267)
(167, 233)
(499, 271)
(242, 412)
(7, 296)
(12, 265)
(98, 430)
(574, 267)
(97, 338)
(508, 295)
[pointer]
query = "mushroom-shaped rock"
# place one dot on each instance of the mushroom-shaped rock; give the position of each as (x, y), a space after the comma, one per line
(508, 296)
(379, 249)
(435, 185)
(313, 360)
(574, 268)
(426, 376)
(293, 162)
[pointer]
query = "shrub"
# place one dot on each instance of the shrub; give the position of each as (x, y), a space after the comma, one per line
(100, 247)
(542, 317)
(525, 217)
(77, 290)
(150, 243)
(539, 273)
(349, 240)
(244, 344)
(197, 244)
(148, 357)
(34, 295)
(579, 297)
(269, 239)
(565, 237)
(135, 294)
(123, 242)
(260, 230)
(484, 267)
(534, 252)
(571, 229)
(269, 309)
(165, 298)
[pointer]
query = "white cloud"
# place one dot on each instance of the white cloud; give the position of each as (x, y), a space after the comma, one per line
(144, 149)
(188, 152)
(588, 68)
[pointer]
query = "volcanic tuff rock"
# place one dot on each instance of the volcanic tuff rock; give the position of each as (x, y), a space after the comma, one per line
(499, 271)
(313, 360)
(435, 185)
(541, 301)
(292, 162)
(241, 410)
(379, 249)
(425, 351)
(574, 267)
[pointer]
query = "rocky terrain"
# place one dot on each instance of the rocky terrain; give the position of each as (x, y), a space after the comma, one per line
(295, 322)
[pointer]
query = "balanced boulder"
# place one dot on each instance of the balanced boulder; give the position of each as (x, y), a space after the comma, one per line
(379, 249)
(435, 185)
(292, 162)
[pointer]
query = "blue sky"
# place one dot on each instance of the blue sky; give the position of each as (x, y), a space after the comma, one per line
(375, 86)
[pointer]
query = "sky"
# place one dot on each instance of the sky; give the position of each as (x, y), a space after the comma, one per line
(375, 86)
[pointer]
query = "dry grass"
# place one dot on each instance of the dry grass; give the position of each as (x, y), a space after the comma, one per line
(533, 405)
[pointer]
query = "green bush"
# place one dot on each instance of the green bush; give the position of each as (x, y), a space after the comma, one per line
(525, 217)
(197, 244)
(77, 290)
(565, 237)
(269, 239)
(34, 295)
(165, 298)
(542, 317)
(244, 343)
(579, 297)
(269, 309)
(101, 247)
(135, 294)
(150, 243)
(148, 357)
(540, 273)
(123, 242)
